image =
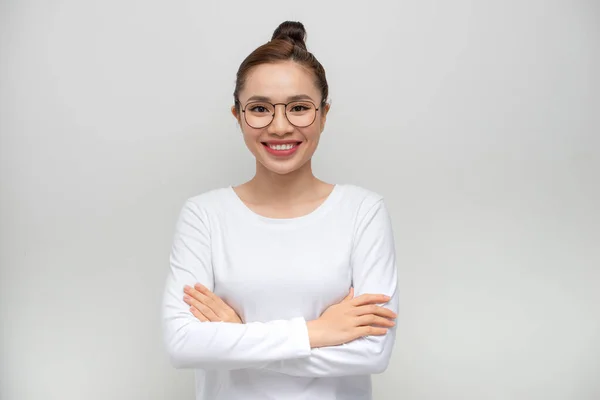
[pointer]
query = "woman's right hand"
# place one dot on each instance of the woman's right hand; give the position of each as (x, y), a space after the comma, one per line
(351, 319)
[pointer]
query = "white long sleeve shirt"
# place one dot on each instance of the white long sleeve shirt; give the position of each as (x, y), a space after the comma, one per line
(277, 274)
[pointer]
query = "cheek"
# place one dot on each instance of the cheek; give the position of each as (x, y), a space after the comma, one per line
(251, 139)
(250, 134)
(312, 134)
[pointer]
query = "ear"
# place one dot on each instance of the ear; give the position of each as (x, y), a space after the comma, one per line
(235, 113)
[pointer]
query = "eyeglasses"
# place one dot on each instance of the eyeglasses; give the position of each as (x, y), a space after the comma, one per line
(259, 114)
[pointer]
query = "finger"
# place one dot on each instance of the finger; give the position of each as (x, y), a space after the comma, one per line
(350, 295)
(199, 295)
(374, 320)
(216, 303)
(370, 299)
(204, 299)
(216, 299)
(190, 291)
(375, 310)
(370, 331)
(198, 314)
(203, 308)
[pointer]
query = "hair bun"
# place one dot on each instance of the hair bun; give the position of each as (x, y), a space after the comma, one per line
(291, 31)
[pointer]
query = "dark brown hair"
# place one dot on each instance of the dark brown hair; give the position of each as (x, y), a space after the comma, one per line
(287, 43)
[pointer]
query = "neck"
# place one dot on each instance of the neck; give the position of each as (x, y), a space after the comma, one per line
(296, 185)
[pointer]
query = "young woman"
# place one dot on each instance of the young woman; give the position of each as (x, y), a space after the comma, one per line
(277, 287)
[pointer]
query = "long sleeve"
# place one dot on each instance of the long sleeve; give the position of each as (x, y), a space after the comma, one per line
(191, 343)
(374, 271)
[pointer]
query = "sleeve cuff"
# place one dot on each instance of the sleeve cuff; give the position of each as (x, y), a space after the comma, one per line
(299, 337)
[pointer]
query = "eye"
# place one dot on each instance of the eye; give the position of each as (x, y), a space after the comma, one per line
(299, 108)
(259, 109)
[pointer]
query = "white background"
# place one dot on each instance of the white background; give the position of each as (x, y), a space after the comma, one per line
(477, 120)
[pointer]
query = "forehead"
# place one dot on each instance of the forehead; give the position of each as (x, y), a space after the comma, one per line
(279, 81)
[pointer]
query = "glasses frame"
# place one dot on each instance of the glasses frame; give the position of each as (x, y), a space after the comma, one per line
(284, 112)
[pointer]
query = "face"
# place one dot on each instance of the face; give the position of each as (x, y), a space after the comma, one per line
(281, 83)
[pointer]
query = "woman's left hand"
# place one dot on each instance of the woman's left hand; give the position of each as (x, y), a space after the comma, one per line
(207, 306)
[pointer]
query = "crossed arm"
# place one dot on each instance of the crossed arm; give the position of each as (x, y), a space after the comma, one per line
(281, 345)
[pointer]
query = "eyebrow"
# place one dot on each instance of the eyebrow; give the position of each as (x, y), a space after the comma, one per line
(291, 98)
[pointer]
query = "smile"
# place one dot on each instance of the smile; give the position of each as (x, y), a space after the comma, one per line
(282, 149)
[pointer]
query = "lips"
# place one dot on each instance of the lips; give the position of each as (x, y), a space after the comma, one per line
(282, 152)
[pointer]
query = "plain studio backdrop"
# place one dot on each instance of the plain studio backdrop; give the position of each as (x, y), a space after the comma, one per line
(478, 121)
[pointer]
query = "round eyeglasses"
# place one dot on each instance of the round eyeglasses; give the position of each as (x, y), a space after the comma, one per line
(300, 113)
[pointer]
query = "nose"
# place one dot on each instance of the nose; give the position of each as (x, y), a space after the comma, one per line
(280, 124)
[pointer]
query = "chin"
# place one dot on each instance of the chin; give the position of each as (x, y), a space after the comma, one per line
(281, 169)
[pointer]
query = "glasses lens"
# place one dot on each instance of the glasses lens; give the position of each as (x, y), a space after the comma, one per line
(259, 115)
(301, 113)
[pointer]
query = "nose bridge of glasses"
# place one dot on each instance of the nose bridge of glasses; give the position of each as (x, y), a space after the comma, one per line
(282, 114)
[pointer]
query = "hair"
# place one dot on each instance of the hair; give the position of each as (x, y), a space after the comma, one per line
(287, 43)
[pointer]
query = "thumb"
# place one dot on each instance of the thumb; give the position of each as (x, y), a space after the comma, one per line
(350, 295)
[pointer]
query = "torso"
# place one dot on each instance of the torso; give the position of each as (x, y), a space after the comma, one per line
(272, 263)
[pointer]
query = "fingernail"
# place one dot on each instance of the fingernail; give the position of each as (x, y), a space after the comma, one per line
(186, 298)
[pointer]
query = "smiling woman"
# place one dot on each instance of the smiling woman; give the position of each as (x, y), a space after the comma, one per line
(284, 286)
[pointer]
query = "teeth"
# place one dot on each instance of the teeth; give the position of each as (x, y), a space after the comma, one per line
(282, 146)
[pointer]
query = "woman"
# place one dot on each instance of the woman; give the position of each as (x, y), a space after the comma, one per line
(276, 287)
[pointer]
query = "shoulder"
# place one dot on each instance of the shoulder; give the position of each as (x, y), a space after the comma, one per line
(360, 198)
(207, 203)
(209, 198)
(369, 211)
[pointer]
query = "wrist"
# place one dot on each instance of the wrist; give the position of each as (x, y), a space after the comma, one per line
(314, 333)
